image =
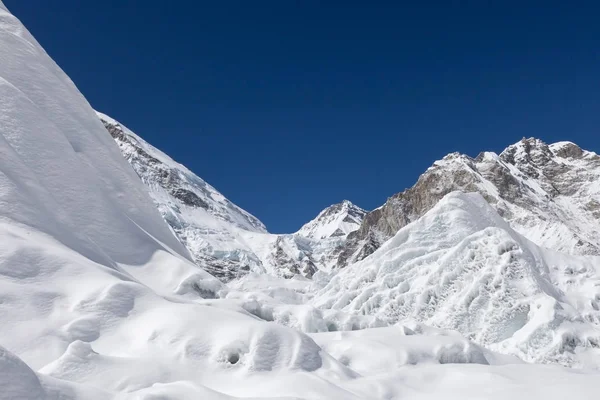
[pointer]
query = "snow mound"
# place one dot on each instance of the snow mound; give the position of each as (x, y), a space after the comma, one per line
(19, 382)
(380, 350)
(461, 267)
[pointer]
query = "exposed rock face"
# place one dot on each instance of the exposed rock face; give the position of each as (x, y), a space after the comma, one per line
(548, 193)
(302, 264)
(159, 170)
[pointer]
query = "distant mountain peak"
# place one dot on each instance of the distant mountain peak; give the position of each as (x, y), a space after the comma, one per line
(337, 220)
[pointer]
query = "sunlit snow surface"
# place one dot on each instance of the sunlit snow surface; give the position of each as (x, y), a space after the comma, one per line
(98, 300)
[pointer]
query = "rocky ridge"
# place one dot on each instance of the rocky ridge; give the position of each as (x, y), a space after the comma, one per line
(548, 193)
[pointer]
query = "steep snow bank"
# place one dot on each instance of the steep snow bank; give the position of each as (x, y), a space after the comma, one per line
(60, 173)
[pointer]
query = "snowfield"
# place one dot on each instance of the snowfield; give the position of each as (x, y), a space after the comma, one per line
(100, 300)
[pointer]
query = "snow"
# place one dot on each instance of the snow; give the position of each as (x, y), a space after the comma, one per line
(221, 208)
(99, 300)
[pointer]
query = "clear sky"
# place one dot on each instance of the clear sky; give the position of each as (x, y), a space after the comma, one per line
(289, 106)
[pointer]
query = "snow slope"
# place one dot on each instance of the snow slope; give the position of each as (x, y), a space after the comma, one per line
(462, 267)
(99, 300)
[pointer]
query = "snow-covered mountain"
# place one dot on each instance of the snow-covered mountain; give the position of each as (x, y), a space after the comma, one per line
(224, 239)
(459, 266)
(548, 193)
(99, 300)
(337, 220)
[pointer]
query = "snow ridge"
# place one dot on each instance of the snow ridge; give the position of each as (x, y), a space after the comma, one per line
(169, 179)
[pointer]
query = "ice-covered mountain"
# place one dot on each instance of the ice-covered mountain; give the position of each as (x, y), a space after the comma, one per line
(337, 220)
(548, 193)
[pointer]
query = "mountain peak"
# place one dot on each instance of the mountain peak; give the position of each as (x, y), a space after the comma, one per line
(530, 150)
(337, 220)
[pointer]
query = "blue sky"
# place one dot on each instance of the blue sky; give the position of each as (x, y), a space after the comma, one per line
(289, 106)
